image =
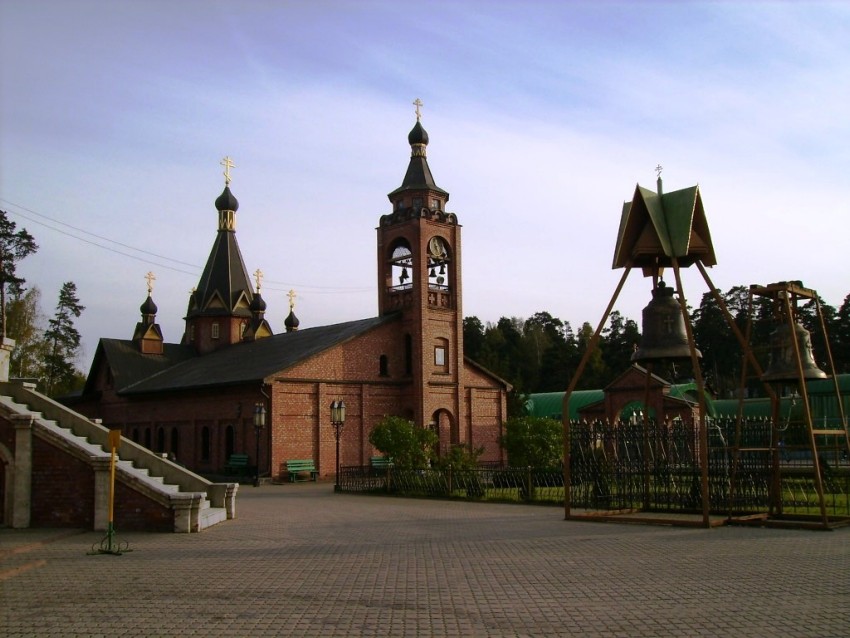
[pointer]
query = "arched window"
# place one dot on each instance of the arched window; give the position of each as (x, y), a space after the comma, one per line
(441, 355)
(160, 439)
(383, 366)
(205, 443)
(135, 435)
(148, 438)
(401, 267)
(175, 442)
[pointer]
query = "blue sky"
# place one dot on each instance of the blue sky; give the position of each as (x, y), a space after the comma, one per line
(542, 117)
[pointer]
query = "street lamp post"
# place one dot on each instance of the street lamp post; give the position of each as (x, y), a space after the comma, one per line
(338, 423)
(259, 424)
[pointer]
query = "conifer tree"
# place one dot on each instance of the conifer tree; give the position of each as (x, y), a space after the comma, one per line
(63, 341)
(15, 245)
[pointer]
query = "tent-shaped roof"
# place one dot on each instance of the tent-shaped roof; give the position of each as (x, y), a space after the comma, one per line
(656, 227)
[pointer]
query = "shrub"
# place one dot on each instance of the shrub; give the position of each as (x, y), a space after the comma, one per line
(533, 441)
(408, 446)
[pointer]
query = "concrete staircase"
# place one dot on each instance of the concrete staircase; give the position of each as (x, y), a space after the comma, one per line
(195, 502)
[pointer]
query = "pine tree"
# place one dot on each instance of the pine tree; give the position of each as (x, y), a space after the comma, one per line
(15, 245)
(63, 341)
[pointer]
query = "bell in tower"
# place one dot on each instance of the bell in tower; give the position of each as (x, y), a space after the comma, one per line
(664, 335)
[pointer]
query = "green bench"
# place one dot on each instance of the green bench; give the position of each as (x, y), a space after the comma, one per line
(381, 462)
(297, 466)
(237, 464)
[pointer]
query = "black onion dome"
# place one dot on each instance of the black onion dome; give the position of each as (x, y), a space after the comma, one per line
(291, 322)
(226, 201)
(418, 134)
(258, 304)
(148, 307)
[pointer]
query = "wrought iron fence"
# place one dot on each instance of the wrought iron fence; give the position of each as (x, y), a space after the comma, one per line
(483, 483)
(649, 467)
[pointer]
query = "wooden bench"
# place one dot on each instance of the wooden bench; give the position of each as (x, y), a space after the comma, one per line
(381, 463)
(297, 466)
(237, 464)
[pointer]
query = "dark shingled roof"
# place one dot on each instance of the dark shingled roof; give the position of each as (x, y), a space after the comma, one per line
(418, 176)
(241, 363)
(129, 366)
(225, 274)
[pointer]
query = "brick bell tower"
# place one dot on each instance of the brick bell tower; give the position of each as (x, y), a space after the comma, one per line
(419, 275)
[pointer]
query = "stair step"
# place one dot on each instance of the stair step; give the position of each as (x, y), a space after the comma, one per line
(211, 516)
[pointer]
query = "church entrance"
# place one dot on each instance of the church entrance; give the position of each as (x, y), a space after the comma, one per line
(445, 428)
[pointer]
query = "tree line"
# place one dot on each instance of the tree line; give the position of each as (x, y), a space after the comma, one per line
(541, 353)
(46, 349)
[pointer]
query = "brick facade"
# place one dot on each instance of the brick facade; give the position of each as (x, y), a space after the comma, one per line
(409, 364)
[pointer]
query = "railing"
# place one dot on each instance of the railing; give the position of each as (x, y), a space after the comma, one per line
(627, 466)
(486, 483)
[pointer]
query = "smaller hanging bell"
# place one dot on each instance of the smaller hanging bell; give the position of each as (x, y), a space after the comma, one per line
(404, 276)
(432, 273)
(664, 335)
(782, 366)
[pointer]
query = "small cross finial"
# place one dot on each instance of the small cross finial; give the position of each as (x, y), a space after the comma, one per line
(258, 277)
(150, 278)
(658, 170)
(418, 104)
(291, 296)
(228, 164)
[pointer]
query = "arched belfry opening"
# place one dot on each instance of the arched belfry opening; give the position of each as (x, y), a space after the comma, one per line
(401, 266)
(438, 259)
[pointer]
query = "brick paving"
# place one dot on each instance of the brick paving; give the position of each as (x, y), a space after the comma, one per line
(303, 561)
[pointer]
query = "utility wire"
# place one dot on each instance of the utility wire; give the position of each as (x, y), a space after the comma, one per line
(322, 290)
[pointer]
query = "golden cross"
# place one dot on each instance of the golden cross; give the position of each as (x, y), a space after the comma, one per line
(150, 278)
(258, 277)
(228, 164)
(291, 296)
(418, 104)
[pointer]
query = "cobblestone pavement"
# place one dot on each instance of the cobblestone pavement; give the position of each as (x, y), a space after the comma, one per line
(302, 561)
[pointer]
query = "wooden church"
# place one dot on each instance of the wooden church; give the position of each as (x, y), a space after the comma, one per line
(196, 400)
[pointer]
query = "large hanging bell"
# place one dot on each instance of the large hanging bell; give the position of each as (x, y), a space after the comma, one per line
(664, 335)
(782, 366)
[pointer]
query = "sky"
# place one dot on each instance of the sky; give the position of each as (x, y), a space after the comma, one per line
(542, 117)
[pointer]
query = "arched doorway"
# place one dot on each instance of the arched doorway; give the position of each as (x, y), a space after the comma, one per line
(445, 427)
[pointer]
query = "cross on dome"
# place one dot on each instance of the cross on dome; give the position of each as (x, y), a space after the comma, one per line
(150, 278)
(418, 104)
(228, 164)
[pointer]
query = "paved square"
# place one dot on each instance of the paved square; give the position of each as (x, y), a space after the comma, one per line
(303, 561)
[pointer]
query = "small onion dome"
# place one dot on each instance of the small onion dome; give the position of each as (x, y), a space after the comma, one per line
(417, 135)
(226, 201)
(291, 322)
(258, 304)
(148, 307)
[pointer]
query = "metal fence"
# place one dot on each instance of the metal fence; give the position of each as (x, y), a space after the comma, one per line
(650, 467)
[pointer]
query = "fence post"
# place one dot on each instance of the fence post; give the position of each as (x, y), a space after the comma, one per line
(450, 479)
(389, 476)
(529, 486)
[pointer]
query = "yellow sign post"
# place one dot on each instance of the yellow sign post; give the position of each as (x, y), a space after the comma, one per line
(108, 544)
